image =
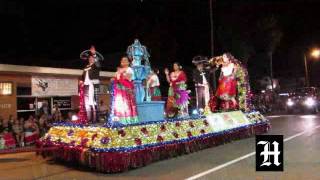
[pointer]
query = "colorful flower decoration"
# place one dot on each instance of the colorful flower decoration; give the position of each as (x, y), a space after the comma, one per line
(205, 122)
(82, 133)
(70, 132)
(175, 134)
(105, 140)
(138, 141)
(148, 134)
(94, 136)
(104, 148)
(144, 130)
(160, 138)
(122, 133)
(163, 128)
(189, 134)
(178, 124)
(243, 87)
(191, 124)
(213, 105)
(82, 115)
(84, 142)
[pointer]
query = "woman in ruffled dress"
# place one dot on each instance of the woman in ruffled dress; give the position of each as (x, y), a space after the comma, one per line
(124, 109)
(227, 88)
(178, 95)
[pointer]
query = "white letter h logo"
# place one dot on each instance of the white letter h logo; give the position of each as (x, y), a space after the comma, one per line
(266, 153)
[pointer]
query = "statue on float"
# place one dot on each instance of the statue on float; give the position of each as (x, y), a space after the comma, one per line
(138, 54)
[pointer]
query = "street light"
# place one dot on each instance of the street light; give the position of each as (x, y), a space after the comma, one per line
(314, 53)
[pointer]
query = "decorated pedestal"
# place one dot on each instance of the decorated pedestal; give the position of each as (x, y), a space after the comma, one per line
(140, 73)
(112, 150)
(151, 111)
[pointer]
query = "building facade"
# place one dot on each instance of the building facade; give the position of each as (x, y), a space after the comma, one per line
(24, 89)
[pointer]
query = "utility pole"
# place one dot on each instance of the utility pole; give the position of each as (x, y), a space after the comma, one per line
(211, 26)
(271, 69)
(306, 70)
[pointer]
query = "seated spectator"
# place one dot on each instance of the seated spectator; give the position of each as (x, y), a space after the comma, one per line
(31, 131)
(57, 117)
(11, 119)
(6, 134)
(56, 109)
(18, 131)
(21, 121)
(6, 126)
(69, 116)
(43, 125)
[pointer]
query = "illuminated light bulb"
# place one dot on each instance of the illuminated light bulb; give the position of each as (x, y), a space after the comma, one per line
(74, 118)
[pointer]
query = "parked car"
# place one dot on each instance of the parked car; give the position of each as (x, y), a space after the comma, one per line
(304, 100)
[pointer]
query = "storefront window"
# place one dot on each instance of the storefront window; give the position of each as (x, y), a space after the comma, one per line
(6, 88)
(105, 89)
(22, 91)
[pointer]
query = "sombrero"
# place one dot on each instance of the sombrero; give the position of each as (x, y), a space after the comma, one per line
(87, 53)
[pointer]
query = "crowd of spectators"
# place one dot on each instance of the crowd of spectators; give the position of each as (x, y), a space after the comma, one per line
(20, 132)
(27, 129)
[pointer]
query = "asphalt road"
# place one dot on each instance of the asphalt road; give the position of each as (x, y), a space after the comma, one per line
(301, 160)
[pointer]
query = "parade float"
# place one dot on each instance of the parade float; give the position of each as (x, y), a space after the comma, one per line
(113, 148)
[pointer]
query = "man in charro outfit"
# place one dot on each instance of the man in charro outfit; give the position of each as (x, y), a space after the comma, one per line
(90, 78)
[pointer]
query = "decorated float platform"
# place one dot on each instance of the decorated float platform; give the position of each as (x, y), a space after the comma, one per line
(113, 150)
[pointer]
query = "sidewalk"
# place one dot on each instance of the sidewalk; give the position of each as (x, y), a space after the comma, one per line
(18, 150)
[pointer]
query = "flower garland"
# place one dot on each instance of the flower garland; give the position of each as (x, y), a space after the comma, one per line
(143, 134)
(82, 114)
(243, 87)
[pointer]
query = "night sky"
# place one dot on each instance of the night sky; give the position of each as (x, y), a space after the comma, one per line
(52, 33)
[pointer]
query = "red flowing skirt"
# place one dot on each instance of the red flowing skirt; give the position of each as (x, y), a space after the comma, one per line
(227, 88)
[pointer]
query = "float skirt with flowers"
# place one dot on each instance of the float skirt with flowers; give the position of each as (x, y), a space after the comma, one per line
(113, 150)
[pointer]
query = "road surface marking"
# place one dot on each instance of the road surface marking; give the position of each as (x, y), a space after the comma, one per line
(244, 157)
(281, 115)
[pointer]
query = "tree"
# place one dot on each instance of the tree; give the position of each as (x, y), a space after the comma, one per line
(234, 39)
(267, 37)
(268, 34)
